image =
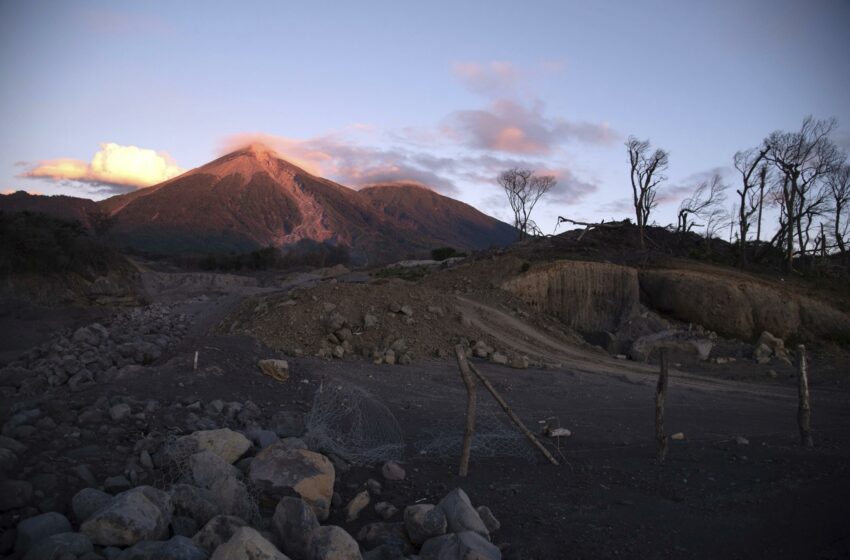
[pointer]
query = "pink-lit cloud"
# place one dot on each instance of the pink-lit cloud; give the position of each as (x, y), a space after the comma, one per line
(509, 126)
(112, 165)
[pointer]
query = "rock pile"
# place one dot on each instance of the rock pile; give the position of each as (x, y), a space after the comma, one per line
(229, 498)
(95, 353)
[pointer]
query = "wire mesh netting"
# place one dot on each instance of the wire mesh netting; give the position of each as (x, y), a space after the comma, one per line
(494, 437)
(349, 422)
(176, 468)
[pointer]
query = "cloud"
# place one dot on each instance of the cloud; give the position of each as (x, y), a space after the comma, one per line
(491, 78)
(112, 166)
(511, 127)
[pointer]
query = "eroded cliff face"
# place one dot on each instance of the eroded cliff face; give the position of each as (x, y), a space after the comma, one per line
(740, 308)
(588, 296)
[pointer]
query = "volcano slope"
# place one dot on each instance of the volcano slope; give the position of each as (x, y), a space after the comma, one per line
(738, 459)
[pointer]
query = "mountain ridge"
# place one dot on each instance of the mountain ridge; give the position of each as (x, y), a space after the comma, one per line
(252, 198)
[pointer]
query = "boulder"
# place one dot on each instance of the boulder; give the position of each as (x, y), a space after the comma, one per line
(233, 498)
(769, 346)
(199, 504)
(142, 513)
(423, 522)
(207, 467)
(357, 504)
(276, 369)
(460, 515)
(332, 543)
(120, 412)
(14, 494)
(466, 545)
(247, 544)
(293, 521)
(87, 501)
(35, 529)
(54, 546)
(392, 536)
(225, 443)
(392, 471)
(386, 510)
(498, 358)
(519, 361)
(681, 342)
(489, 519)
(287, 424)
(276, 471)
(176, 548)
(217, 531)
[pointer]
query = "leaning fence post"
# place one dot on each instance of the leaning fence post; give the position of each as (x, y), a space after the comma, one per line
(660, 394)
(804, 408)
(469, 429)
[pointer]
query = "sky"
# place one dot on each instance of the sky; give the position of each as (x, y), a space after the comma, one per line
(99, 98)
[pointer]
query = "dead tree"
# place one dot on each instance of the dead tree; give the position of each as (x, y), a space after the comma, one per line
(751, 165)
(589, 225)
(646, 172)
(838, 182)
(803, 158)
(707, 196)
(524, 189)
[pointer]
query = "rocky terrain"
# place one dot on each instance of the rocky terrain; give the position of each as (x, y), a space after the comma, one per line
(319, 415)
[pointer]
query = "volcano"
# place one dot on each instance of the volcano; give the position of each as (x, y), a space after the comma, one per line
(253, 198)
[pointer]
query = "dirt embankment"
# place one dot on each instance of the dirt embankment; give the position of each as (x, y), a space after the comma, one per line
(740, 308)
(587, 296)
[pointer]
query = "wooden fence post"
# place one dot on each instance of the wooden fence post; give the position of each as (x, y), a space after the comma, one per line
(804, 408)
(660, 394)
(514, 418)
(471, 398)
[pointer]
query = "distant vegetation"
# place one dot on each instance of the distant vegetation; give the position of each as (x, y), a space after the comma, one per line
(306, 253)
(37, 243)
(444, 253)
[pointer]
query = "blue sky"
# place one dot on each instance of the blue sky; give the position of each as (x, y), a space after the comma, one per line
(101, 97)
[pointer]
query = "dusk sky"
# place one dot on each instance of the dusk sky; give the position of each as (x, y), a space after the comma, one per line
(100, 98)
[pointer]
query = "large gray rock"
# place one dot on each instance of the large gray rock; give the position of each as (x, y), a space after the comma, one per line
(389, 536)
(176, 548)
(54, 546)
(293, 521)
(196, 503)
(14, 494)
(681, 342)
(423, 522)
(489, 519)
(207, 467)
(333, 543)
(217, 531)
(277, 471)
(37, 528)
(466, 545)
(233, 498)
(247, 544)
(460, 515)
(225, 443)
(87, 501)
(142, 513)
